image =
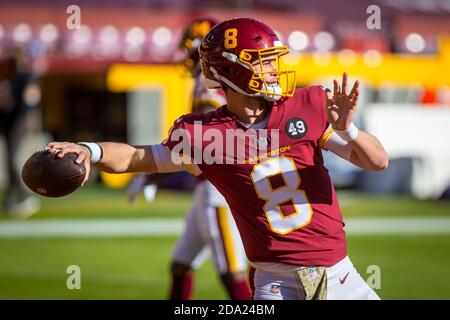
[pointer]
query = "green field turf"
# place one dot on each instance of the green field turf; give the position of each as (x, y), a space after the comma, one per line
(101, 202)
(94, 201)
(137, 268)
(412, 266)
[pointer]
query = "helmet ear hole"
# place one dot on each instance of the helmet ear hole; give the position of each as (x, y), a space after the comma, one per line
(228, 70)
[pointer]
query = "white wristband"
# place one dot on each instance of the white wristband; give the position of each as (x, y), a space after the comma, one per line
(348, 134)
(95, 150)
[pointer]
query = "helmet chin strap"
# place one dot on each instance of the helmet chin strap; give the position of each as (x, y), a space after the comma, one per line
(276, 89)
(267, 96)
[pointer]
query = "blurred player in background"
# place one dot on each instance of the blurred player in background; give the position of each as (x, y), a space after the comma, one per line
(283, 200)
(210, 227)
(20, 95)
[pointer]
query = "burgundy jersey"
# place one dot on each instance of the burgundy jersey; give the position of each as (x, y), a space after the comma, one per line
(283, 201)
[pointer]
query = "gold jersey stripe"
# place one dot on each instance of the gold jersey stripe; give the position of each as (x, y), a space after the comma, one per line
(323, 140)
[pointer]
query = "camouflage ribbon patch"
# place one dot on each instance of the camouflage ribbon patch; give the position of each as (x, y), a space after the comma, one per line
(314, 281)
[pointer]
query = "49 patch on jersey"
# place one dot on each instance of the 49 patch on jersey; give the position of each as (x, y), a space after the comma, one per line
(296, 128)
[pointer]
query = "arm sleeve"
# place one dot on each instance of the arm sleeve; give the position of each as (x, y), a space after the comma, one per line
(164, 162)
(180, 147)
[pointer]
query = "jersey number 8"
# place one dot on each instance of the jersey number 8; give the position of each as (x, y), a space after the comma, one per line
(279, 223)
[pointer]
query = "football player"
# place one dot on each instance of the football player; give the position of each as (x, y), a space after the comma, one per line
(210, 227)
(283, 200)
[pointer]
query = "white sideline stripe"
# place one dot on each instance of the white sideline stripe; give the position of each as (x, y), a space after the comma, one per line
(396, 225)
(90, 227)
(170, 227)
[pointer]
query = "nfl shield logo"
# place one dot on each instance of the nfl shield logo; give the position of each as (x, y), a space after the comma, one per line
(275, 289)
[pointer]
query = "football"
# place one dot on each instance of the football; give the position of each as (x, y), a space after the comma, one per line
(50, 176)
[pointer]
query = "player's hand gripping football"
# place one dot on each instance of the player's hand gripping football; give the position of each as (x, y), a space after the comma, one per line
(62, 148)
(341, 107)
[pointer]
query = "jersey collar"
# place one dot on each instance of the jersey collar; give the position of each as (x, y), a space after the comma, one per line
(275, 116)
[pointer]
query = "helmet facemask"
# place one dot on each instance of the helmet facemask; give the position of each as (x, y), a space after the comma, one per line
(268, 79)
